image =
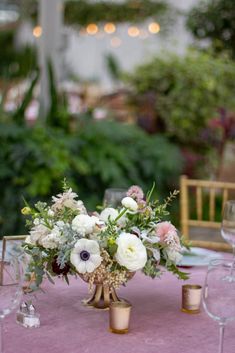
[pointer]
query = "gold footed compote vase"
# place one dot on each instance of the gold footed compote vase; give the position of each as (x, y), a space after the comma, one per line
(103, 294)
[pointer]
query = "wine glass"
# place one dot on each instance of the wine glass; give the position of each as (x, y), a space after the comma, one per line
(10, 290)
(113, 197)
(228, 230)
(219, 295)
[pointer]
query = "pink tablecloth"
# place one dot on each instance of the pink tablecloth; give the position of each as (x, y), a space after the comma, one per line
(157, 324)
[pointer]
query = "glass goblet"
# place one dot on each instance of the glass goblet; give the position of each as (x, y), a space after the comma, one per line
(219, 295)
(113, 197)
(228, 230)
(10, 290)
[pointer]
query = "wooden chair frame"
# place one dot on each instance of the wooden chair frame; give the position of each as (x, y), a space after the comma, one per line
(4, 246)
(213, 187)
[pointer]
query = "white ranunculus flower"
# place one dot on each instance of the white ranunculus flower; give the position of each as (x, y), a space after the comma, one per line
(84, 224)
(53, 239)
(85, 255)
(173, 255)
(38, 232)
(130, 204)
(131, 253)
(108, 213)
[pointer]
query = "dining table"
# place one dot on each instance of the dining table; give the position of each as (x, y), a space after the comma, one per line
(157, 323)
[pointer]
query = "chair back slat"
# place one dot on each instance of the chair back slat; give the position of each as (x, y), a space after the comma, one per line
(199, 202)
(212, 205)
(216, 190)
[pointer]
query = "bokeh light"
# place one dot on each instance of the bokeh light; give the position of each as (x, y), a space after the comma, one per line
(37, 31)
(154, 27)
(92, 29)
(109, 28)
(133, 31)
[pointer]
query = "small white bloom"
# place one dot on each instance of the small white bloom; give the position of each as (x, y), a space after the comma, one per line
(108, 213)
(85, 255)
(84, 224)
(50, 213)
(36, 221)
(130, 203)
(131, 253)
(173, 255)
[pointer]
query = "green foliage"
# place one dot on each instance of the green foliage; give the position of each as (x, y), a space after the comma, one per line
(15, 62)
(189, 90)
(82, 12)
(33, 161)
(214, 20)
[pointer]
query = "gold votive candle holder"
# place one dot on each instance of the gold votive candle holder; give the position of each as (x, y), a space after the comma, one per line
(119, 317)
(191, 298)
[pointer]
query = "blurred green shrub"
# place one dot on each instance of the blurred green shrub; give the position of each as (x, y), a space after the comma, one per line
(188, 91)
(96, 155)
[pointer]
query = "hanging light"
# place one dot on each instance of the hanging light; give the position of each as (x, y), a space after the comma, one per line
(92, 29)
(109, 28)
(154, 27)
(37, 31)
(133, 31)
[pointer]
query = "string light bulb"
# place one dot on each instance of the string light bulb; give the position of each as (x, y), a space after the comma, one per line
(37, 31)
(133, 31)
(92, 29)
(154, 27)
(109, 28)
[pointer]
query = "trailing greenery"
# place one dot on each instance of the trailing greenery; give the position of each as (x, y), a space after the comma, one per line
(214, 20)
(82, 12)
(188, 90)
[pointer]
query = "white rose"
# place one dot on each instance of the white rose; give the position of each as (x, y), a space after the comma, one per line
(108, 213)
(84, 224)
(130, 203)
(131, 253)
(173, 255)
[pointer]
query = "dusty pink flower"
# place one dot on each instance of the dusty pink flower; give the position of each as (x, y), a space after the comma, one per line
(136, 193)
(163, 229)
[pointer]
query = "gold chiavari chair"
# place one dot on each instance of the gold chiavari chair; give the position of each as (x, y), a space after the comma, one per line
(203, 194)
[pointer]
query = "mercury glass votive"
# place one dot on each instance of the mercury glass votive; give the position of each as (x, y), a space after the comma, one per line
(119, 317)
(191, 298)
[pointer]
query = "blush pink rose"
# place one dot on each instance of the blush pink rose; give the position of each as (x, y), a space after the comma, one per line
(163, 229)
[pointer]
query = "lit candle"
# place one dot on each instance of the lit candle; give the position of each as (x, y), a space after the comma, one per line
(191, 298)
(119, 317)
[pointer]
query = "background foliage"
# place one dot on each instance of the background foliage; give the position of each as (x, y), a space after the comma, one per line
(214, 20)
(96, 155)
(188, 91)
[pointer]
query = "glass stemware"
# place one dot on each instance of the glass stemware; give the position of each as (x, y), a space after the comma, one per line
(10, 290)
(113, 197)
(228, 230)
(219, 295)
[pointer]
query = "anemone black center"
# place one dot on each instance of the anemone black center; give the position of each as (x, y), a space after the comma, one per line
(84, 255)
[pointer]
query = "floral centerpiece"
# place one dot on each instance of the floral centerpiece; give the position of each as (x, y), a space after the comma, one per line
(106, 248)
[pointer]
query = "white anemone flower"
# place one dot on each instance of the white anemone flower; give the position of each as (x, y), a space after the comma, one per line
(85, 255)
(130, 204)
(131, 253)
